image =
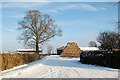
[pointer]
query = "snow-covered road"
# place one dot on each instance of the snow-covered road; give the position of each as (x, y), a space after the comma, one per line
(57, 67)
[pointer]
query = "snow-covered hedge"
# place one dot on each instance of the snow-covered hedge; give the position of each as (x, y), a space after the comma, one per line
(102, 58)
(13, 60)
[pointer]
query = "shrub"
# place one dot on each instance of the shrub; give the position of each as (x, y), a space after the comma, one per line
(102, 58)
(12, 60)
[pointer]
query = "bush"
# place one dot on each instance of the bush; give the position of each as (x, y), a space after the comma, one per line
(102, 58)
(13, 60)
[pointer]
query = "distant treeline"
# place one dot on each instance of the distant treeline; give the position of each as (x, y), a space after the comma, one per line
(102, 58)
(13, 60)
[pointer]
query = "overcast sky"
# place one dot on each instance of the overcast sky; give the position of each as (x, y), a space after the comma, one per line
(81, 22)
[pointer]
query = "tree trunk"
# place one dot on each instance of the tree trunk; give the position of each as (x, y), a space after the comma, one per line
(37, 51)
(37, 48)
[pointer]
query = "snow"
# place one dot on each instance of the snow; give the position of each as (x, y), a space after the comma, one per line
(28, 49)
(89, 48)
(56, 67)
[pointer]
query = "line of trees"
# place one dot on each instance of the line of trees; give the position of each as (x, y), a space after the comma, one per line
(108, 40)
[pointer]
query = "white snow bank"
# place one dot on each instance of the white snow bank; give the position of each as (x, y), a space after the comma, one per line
(89, 48)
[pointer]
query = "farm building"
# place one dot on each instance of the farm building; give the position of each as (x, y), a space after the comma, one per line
(26, 51)
(60, 50)
(71, 50)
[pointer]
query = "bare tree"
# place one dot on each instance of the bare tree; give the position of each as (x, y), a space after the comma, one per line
(37, 28)
(108, 40)
(50, 49)
(92, 44)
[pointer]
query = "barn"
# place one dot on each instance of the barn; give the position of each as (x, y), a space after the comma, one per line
(71, 50)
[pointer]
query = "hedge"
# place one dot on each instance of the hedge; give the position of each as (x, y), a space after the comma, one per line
(13, 60)
(101, 58)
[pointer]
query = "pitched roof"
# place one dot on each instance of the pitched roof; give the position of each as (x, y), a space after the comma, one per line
(61, 48)
(71, 50)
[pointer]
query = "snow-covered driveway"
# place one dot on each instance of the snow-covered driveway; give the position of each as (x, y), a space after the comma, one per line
(57, 67)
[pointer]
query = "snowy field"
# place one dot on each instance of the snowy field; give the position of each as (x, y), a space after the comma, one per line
(57, 67)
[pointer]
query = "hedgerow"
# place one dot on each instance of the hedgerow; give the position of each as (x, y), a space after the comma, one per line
(101, 58)
(13, 60)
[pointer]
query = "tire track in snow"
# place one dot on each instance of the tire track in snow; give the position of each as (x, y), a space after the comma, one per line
(73, 71)
(56, 71)
(76, 71)
(49, 74)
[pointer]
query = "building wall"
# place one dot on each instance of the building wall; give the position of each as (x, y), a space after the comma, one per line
(59, 52)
